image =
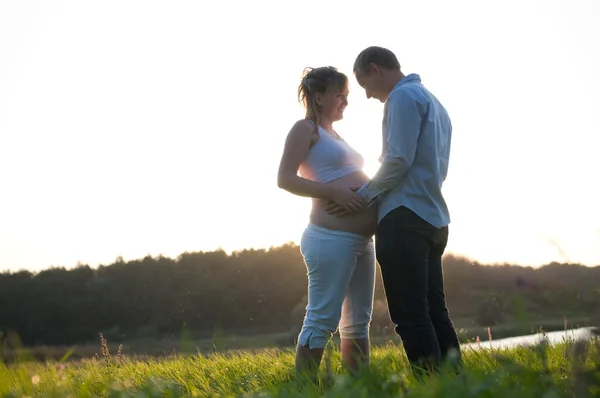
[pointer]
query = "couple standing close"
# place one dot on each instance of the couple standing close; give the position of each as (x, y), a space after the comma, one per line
(402, 205)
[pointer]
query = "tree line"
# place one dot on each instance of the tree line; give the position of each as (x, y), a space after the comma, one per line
(253, 291)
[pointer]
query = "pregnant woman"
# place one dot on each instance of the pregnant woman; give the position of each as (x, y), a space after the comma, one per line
(338, 251)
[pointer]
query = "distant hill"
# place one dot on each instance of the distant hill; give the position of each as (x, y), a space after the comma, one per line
(257, 291)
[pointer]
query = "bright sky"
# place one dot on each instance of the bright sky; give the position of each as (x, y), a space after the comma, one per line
(130, 128)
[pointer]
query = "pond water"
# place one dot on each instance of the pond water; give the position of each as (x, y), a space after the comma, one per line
(553, 337)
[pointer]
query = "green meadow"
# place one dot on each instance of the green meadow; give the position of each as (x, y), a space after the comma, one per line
(570, 368)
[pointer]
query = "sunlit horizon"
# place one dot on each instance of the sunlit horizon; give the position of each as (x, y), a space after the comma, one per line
(144, 128)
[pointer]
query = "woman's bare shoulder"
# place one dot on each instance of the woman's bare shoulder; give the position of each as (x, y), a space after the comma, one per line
(303, 125)
(303, 129)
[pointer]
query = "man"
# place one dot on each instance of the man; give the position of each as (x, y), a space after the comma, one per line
(413, 217)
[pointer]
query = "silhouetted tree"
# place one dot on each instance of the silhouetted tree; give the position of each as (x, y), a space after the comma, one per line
(253, 291)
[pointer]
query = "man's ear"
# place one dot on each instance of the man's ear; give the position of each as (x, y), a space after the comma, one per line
(374, 68)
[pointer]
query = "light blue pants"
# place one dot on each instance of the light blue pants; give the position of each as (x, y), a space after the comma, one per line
(341, 283)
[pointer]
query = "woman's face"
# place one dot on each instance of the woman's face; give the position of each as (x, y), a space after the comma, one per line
(333, 104)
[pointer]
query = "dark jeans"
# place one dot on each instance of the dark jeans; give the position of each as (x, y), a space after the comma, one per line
(409, 251)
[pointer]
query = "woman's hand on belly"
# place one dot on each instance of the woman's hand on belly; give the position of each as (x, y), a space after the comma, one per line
(336, 210)
(353, 182)
(362, 222)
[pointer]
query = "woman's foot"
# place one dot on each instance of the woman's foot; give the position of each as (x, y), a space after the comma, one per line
(307, 362)
(355, 354)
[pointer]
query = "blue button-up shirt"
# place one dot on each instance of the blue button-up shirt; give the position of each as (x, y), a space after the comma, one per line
(416, 154)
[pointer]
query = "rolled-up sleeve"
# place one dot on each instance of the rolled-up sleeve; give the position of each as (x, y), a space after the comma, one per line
(403, 124)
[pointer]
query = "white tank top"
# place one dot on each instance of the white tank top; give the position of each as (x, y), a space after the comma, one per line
(330, 158)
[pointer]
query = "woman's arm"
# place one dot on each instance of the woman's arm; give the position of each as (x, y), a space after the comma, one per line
(297, 145)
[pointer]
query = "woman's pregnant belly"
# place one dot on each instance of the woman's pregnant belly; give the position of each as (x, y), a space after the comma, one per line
(364, 222)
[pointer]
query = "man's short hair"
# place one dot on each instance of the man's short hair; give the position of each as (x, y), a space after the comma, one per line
(379, 56)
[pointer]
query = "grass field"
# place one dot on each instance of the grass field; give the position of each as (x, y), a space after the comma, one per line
(223, 341)
(568, 369)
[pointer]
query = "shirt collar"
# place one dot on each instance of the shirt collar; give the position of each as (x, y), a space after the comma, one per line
(413, 77)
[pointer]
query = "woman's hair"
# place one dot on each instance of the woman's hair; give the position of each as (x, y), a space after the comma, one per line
(319, 80)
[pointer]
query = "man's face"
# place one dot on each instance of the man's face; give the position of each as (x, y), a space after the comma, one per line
(372, 82)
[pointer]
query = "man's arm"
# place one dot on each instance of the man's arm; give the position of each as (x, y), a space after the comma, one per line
(403, 121)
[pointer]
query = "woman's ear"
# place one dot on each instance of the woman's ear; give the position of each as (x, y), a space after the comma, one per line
(318, 99)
